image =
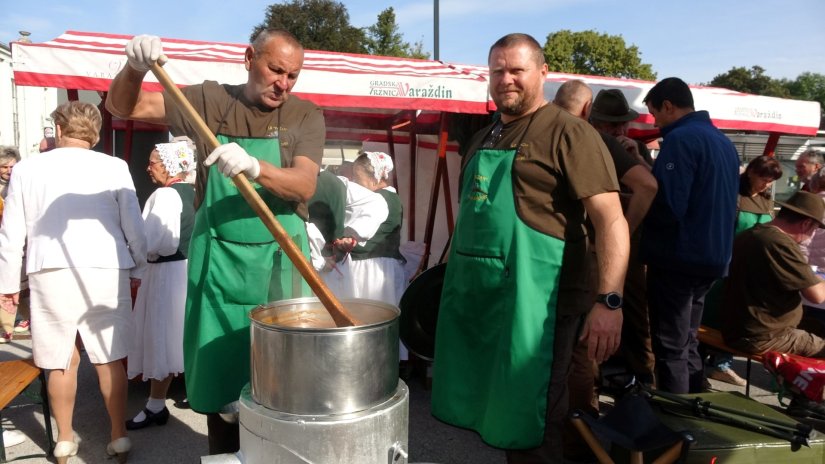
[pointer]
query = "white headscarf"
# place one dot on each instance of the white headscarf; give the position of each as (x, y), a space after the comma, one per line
(381, 164)
(177, 157)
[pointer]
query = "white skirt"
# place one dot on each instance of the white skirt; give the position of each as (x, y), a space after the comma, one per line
(157, 347)
(381, 279)
(339, 279)
(93, 303)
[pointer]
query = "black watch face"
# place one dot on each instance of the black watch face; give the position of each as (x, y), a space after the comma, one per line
(613, 300)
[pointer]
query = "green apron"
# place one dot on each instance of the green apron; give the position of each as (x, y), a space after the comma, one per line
(234, 265)
(494, 337)
(746, 219)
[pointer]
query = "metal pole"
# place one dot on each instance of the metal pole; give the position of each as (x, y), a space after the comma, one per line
(435, 30)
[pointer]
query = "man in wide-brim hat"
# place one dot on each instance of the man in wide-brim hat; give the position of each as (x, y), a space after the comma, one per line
(611, 114)
(768, 272)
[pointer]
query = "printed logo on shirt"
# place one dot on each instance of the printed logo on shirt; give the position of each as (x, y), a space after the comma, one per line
(522, 152)
(272, 132)
(479, 191)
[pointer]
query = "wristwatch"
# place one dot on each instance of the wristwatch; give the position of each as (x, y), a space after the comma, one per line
(612, 300)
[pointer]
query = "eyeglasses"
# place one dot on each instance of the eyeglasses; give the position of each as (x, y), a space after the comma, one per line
(151, 162)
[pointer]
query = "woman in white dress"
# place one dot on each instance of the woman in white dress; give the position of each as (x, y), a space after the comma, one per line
(349, 215)
(169, 213)
(377, 266)
(86, 248)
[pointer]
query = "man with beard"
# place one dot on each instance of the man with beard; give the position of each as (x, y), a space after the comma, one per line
(518, 259)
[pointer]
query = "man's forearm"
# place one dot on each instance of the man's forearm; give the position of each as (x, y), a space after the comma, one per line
(123, 92)
(292, 184)
(612, 252)
(126, 100)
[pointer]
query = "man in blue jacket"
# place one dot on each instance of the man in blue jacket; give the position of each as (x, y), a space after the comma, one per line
(688, 232)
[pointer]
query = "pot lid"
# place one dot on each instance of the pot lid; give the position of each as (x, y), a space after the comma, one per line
(419, 311)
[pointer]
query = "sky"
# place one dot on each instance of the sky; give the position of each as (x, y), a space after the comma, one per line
(694, 39)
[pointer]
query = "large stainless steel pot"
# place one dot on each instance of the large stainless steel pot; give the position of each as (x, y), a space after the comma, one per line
(303, 364)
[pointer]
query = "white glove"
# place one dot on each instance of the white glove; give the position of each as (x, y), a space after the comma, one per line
(232, 159)
(142, 52)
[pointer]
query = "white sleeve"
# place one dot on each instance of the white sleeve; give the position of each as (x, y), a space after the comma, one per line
(316, 245)
(365, 212)
(161, 219)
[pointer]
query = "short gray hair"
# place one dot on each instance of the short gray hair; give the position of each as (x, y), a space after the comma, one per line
(813, 156)
(8, 153)
(265, 35)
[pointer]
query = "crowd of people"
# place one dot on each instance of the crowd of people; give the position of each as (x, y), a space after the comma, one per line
(571, 245)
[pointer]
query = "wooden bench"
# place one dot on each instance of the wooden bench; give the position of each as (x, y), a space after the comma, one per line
(15, 376)
(713, 337)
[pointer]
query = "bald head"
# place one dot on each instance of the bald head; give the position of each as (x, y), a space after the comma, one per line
(574, 96)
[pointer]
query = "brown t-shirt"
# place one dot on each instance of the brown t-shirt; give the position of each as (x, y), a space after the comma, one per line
(298, 123)
(561, 160)
(761, 293)
(622, 159)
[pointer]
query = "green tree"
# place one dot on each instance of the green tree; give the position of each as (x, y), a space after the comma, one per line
(809, 86)
(589, 52)
(318, 25)
(753, 80)
(384, 39)
(417, 51)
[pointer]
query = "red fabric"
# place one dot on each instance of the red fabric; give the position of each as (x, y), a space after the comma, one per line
(798, 372)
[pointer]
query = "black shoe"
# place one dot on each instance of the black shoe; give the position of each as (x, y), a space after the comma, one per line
(182, 404)
(803, 407)
(159, 418)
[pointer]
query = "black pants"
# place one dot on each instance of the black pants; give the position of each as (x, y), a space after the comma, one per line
(223, 436)
(636, 349)
(676, 300)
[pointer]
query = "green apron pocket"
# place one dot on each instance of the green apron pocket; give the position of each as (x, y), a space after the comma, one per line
(242, 273)
(486, 272)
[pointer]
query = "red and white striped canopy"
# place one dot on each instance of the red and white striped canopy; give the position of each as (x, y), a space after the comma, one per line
(88, 61)
(371, 88)
(730, 110)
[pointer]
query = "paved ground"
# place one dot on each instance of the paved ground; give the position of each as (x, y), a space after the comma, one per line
(183, 439)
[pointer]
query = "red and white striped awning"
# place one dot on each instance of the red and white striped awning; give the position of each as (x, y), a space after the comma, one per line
(88, 61)
(372, 88)
(730, 110)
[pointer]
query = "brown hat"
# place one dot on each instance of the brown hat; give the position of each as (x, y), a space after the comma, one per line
(611, 106)
(807, 204)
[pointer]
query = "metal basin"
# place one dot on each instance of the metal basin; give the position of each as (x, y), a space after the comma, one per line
(303, 364)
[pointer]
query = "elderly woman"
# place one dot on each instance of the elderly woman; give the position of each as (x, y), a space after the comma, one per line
(86, 246)
(342, 214)
(377, 266)
(9, 156)
(168, 216)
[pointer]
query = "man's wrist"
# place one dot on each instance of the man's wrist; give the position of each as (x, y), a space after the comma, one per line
(611, 300)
